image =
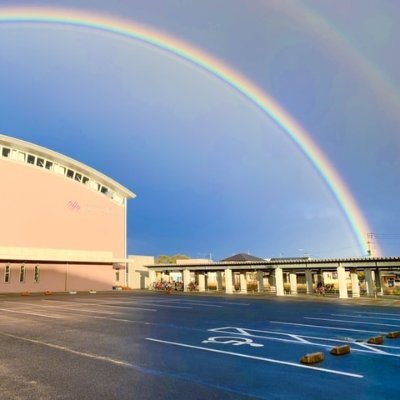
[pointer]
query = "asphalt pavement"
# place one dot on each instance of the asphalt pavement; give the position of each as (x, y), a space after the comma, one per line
(151, 345)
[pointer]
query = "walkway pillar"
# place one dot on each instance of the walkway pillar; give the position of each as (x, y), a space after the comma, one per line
(341, 272)
(219, 280)
(293, 283)
(186, 280)
(279, 282)
(355, 287)
(228, 281)
(202, 282)
(378, 282)
(243, 282)
(152, 278)
(260, 281)
(309, 281)
(369, 282)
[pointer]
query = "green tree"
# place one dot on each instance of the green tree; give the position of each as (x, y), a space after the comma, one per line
(165, 259)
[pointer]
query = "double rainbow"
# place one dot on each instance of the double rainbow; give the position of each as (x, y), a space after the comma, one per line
(212, 65)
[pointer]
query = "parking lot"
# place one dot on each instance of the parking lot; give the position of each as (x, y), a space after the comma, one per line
(151, 345)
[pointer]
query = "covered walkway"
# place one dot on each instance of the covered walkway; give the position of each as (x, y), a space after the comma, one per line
(351, 277)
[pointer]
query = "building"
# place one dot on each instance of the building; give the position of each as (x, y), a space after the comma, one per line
(63, 224)
(370, 276)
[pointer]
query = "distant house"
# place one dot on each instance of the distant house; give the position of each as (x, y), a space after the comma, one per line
(242, 257)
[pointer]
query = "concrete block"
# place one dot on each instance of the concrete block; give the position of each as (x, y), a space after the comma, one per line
(375, 340)
(340, 350)
(312, 358)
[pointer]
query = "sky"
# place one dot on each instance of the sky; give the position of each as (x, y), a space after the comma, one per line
(214, 175)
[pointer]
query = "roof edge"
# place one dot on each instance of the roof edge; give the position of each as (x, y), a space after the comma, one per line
(67, 161)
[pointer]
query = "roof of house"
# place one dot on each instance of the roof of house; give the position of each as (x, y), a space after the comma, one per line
(243, 257)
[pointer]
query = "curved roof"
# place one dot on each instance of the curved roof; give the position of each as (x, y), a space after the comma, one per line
(66, 162)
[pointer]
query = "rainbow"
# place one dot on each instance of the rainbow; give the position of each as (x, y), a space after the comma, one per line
(212, 65)
(322, 29)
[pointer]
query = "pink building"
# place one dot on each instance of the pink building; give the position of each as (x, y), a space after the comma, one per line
(63, 224)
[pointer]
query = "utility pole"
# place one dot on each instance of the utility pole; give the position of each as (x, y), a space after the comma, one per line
(370, 242)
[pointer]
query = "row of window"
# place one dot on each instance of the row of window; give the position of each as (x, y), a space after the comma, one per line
(41, 162)
(22, 274)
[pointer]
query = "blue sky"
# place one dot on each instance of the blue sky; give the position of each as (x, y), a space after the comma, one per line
(212, 173)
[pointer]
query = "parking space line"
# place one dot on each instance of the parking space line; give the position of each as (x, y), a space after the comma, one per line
(365, 317)
(123, 320)
(67, 349)
(102, 305)
(376, 313)
(195, 303)
(351, 322)
(129, 305)
(29, 313)
(264, 359)
(374, 349)
(302, 339)
(81, 310)
(165, 305)
(324, 327)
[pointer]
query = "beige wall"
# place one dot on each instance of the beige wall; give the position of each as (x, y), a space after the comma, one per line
(194, 261)
(138, 274)
(58, 278)
(42, 209)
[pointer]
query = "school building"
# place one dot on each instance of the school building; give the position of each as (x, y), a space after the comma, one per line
(63, 224)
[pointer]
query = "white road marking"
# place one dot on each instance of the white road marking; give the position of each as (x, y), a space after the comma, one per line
(269, 360)
(300, 339)
(351, 322)
(375, 313)
(81, 310)
(323, 327)
(296, 336)
(364, 316)
(100, 305)
(67, 349)
(199, 301)
(123, 320)
(30, 313)
(373, 349)
(194, 303)
(164, 305)
(129, 305)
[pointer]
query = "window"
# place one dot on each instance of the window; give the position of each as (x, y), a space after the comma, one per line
(30, 159)
(78, 177)
(117, 198)
(59, 169)
(103, 190)
(85, 180)
(22, 274)
(18, 155)
(36, 274)
(70, 173)
(7, 274)
(117, 275)
(6, 152)
(93, 185)
(40, 162)
(49, 165)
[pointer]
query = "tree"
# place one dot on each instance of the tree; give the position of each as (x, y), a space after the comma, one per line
(165, 259)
